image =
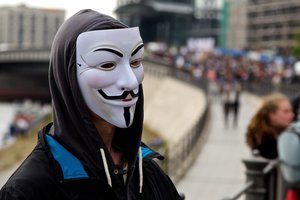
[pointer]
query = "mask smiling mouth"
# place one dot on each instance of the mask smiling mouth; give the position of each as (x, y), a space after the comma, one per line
(128, 98)
(125, 96)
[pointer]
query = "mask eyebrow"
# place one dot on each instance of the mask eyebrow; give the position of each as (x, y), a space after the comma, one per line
(137, 49)
(110, 50)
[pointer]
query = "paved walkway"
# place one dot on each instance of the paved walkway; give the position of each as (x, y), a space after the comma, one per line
(218, 171)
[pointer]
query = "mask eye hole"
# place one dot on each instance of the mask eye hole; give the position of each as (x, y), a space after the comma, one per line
(136, 63)
(107, 66)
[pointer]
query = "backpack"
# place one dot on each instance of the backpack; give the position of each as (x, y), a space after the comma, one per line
(289, 153)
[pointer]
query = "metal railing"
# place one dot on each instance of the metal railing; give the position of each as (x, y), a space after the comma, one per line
(261, 88)
(262, 180)
(25, 55)
(181, 156)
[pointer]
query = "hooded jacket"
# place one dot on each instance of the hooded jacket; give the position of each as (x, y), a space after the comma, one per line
(70, 160)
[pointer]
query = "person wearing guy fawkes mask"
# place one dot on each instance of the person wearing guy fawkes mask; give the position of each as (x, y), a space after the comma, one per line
(93, 148)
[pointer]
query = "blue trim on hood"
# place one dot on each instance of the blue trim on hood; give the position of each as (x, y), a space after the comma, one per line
(70, 165)
(145, 151)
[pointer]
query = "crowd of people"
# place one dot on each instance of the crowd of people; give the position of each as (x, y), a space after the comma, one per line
(227, 74)
(219, 64)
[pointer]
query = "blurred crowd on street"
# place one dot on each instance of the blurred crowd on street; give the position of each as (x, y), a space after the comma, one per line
(225, 65)
(228, 71)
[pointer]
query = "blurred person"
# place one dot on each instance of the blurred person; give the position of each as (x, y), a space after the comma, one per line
(236, 103)
(93, 148)
(295, 101)
(289, 157)
(213, 90)
(274, 116)
(231, 92)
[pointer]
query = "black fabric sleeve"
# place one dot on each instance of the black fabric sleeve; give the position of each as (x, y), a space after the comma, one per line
(11, 193)
(158, 185)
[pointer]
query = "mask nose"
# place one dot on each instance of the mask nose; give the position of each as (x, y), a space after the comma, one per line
(128, 80)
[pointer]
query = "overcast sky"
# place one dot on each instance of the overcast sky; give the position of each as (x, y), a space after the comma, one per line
(71, 7)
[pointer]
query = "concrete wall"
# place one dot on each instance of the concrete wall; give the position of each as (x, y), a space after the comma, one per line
(174, 109)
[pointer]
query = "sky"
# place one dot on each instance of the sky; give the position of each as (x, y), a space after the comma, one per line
(71, 6)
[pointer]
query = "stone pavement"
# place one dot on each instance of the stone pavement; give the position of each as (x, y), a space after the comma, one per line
(218, 171)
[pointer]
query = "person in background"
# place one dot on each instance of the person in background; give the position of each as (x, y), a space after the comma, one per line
(289, 159)
(93, 148)
(274, 116)
(295, 101)
(231, 92)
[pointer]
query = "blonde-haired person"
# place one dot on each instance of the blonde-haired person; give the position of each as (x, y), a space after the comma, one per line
(274, 115)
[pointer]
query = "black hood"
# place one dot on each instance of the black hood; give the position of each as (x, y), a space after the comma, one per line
(72, 124)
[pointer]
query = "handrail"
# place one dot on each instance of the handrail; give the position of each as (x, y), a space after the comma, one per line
(271, 166)
(266, 171)
(188, 146)
(244, 189)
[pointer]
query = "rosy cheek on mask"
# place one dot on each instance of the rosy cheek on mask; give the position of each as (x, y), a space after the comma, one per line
(96, 79)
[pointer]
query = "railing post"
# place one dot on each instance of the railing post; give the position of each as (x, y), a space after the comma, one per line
(254, 172)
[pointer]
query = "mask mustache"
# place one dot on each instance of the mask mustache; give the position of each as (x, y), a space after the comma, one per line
(122, 96)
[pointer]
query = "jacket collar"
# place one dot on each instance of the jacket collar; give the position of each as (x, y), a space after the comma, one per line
(71, 167)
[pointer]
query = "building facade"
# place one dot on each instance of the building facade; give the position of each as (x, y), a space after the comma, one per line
(272, 24)
(236, 35)
(159, 20)
(22, 27)
(171, 21)
(206, 25)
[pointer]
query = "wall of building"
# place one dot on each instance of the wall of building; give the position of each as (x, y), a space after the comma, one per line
(237, 24)
(24, 27)
(171, 21)
(272, 23)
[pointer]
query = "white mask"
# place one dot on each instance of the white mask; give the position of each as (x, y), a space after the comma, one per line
(109, 72)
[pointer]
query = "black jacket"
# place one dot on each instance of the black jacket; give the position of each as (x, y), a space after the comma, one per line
(71, 160)
(268, 147)
(52, 172)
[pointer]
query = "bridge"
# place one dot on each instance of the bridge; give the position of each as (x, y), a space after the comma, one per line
(24, 74)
